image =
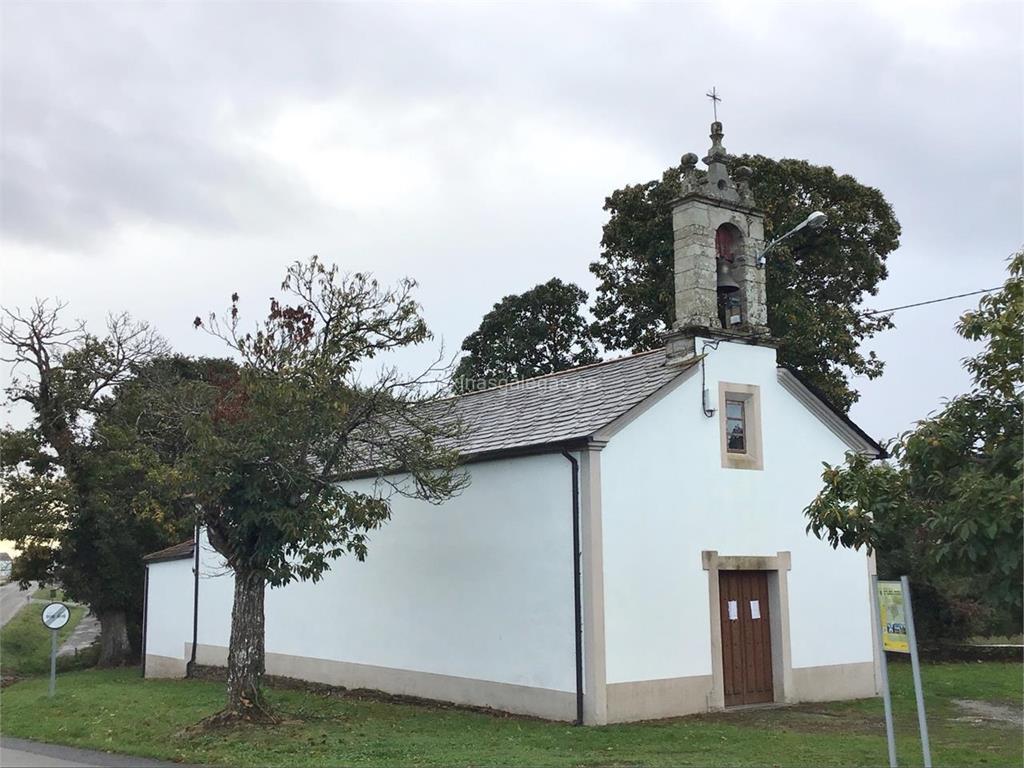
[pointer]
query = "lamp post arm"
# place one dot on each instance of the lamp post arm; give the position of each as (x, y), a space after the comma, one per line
(816, 220)
(762, 257)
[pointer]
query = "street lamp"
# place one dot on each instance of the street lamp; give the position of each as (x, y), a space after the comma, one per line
(815, 221)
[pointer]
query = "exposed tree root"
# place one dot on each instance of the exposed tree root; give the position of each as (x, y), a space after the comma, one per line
(249, 714)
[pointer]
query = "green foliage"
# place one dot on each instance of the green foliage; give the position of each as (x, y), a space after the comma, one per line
(118, 711)
(83, 496)
(530, 334)
(271, 441)
(815, 287)
(35, 563)
(949, 509)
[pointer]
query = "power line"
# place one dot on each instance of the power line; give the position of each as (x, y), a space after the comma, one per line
(930, 301)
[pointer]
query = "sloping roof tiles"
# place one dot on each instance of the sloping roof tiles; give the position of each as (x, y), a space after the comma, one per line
(559, 407)
(175, 552)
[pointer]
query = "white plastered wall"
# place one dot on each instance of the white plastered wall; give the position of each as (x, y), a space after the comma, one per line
(666, 497)
(480, 587)
(169, 608)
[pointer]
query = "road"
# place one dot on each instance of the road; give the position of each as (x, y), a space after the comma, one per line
(19, 753)
(13, 598)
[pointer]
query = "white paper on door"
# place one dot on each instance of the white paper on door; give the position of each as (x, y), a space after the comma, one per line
(755, 609)
(733, 611)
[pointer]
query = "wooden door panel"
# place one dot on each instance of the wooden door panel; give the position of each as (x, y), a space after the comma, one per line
(746, 637)
(732, 652)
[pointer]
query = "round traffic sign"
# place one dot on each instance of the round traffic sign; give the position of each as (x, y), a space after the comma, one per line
(56, 615)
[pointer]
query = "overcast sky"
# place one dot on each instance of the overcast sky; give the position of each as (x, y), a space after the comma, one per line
(157, 157)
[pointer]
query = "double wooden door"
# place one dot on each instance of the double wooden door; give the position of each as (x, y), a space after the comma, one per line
(746, 637)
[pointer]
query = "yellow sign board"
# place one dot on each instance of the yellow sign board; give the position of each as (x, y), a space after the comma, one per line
(892, 617)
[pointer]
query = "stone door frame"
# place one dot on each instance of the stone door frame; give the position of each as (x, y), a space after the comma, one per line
(777, 567)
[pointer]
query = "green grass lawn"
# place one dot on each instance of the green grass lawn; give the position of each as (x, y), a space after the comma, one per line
(25, 643)
(49, 594)
(118, 711)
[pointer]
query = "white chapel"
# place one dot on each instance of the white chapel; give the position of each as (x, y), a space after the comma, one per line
(631, 545)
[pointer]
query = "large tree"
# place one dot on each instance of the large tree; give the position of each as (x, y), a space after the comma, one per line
(274, 442)
(948, 509)
(529, 334)
(815, 284)
(78, 487)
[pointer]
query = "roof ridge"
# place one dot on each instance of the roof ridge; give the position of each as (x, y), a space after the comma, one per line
(520, 382)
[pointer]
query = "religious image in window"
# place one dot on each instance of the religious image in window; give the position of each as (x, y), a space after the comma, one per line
(735, 426)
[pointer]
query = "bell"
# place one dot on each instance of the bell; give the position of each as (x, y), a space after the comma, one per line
(725, 282)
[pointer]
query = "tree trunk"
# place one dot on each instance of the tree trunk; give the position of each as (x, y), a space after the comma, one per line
(246, 649)
(115, 650)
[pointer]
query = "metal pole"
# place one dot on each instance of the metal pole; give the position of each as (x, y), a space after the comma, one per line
(190, 668)
(890, 735)
(145, 615)
(922, 721)
(53, 662)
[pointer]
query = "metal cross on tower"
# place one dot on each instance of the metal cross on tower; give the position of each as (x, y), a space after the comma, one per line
(715, 98)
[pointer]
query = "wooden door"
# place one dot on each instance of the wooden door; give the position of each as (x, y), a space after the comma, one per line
(746, 637)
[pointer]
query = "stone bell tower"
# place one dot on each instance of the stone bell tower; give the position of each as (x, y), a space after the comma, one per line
(718, 233)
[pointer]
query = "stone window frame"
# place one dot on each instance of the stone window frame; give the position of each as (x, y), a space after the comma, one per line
(777, 568)
(750, 396)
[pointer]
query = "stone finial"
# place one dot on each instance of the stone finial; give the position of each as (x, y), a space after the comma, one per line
(719, 184)
(743, 175)
(717, 150)
(688, 179)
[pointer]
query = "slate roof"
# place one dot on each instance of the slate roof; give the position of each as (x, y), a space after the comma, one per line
(175, 552)
(560, 407)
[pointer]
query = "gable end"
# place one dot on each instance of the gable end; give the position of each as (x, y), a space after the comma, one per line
(840, 424)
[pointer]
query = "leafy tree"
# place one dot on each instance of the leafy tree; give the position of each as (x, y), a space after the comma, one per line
(70, 482)
(814, 287)
(949, 508)
(135, 456)
(35, 563)
(272, 443)
(525, 335)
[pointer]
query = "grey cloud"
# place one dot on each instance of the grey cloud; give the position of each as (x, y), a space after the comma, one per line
(105, 123)
(125, 99)
(116, 113)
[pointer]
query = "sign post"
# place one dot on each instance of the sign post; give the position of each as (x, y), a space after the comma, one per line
(915, 664)
(55, 616)
(890, 735)
(896, 625)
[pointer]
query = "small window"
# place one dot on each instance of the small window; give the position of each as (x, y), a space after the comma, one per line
(736, 426)
(739, 406)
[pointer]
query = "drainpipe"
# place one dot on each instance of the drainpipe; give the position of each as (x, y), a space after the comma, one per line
(145, 615)
(577, 599)
(190, 668)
